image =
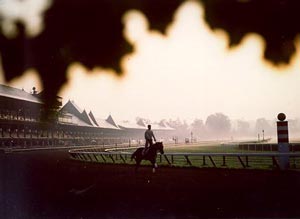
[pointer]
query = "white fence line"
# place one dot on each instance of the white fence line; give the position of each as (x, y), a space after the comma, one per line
(230, 160)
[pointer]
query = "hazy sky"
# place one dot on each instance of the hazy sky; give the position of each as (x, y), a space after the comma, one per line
(190, 73)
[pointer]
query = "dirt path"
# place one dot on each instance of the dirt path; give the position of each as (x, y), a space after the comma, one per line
(50, 185)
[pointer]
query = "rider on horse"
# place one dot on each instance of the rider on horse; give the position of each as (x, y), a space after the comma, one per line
(148, 137)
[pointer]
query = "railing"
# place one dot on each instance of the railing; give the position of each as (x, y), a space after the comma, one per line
(266, 146)
(219, 160)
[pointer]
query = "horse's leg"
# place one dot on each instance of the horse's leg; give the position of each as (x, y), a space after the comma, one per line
(154, 165)
(138, 162)
(153, 170)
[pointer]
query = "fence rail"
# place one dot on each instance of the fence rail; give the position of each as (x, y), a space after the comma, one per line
(219, 160)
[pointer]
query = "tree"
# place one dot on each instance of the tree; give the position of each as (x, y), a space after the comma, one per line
(181, 128)
(243, 128)
(218, 124)
(198, 128)
(264, 127)
(294, 127)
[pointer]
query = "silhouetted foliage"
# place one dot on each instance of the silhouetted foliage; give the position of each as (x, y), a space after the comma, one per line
(90, 32)
(274, 20)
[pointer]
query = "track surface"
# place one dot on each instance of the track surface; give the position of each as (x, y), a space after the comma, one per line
(50, 185)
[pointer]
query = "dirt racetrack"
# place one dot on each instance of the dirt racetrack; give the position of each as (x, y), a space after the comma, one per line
(50, 185)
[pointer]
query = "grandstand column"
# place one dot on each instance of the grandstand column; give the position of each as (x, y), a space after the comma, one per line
(283, 140)
(30, 134)
(52, 137)
(2, 135)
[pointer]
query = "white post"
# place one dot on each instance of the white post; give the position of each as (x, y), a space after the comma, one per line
(283, 140)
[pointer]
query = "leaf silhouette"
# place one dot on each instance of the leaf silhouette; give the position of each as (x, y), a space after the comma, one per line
(89, 32)
(274, 20)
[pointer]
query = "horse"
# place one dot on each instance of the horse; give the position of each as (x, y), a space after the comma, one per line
(150, 155)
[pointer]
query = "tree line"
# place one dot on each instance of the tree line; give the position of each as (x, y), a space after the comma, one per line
(220, 126)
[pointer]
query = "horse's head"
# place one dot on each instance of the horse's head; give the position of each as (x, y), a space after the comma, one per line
(160, 147)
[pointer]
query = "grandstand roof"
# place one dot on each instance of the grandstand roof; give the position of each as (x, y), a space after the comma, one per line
(78, 121)
(141, 123)
(71, 108)
(14, 93)
(129, 125)
(81, 117)
(102, 123)
(91, 115)
(111, 121)
(164, 125)
(76, 106)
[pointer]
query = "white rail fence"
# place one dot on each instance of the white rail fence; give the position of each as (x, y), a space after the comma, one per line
(218, 160)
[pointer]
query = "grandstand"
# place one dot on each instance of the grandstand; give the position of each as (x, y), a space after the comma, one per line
(22, 124)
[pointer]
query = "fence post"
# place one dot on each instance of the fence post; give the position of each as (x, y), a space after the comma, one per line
(204, 162)
(224, 161)
(247, 162)
(283, 140)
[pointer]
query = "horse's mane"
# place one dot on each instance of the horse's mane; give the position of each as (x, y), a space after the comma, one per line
(157, 145)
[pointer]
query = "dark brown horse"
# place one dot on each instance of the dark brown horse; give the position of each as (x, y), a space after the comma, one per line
(150, 155)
